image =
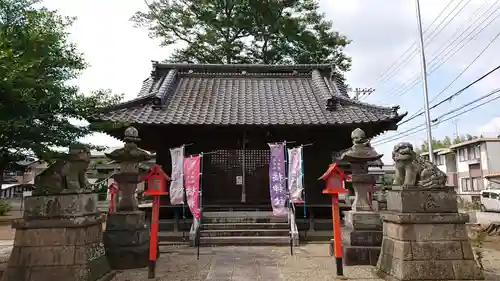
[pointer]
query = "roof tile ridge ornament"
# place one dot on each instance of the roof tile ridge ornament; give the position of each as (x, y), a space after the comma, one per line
(166, 88)
(154, 71)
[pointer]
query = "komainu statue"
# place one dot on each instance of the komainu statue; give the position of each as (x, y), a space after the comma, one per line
(66, 175)
(413, 170)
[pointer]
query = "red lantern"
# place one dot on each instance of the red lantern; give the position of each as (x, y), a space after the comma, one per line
(335, 178)
(157, 181)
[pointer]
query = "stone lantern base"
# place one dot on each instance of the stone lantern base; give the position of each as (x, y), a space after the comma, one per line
(59, 238)
(127, 240)
(425, 237)
(363, 237)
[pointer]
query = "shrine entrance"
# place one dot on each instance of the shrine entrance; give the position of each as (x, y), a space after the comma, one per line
(236, 176)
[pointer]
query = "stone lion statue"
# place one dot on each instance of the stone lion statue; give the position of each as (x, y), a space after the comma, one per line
(68, 174)
(413, 170)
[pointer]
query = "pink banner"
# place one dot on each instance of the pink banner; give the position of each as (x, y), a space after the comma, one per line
(192, 184)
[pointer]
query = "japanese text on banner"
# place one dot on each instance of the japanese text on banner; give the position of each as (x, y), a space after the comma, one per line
(277, 180)
(192, 184)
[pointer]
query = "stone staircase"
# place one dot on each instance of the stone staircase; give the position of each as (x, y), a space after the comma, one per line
(244, 228)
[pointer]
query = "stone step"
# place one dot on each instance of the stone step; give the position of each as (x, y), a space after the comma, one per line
(242, 217)
(245, 240)
(245, 232)
(240, 214)
(243, 225)
(247, 220)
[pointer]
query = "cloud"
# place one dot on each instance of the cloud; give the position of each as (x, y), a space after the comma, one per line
(492, 128)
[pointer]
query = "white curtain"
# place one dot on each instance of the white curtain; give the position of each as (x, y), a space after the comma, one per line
(177, 177)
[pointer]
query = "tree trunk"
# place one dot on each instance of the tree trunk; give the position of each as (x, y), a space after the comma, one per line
(2, 168)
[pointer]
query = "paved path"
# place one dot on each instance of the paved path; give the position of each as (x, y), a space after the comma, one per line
(244, 264)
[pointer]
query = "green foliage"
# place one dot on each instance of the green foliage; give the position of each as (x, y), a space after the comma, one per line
(446, 142)
(5, 207)
(37, 100)
(387, 180)
(468, 205)
(245, 31)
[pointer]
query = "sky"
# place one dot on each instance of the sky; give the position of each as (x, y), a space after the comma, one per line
(382, 32)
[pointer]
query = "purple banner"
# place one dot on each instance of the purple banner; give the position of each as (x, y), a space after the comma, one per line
(277, 180)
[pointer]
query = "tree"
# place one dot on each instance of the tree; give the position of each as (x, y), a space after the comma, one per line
(245, 31)
(38, 104)
(446, 142)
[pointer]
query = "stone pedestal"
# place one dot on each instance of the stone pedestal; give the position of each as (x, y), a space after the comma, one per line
(362, 238)
(127, 240)
(425, 237)
(59, 238)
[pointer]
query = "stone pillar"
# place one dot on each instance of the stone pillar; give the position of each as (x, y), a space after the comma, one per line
(380, 203)
(59, 238)
(425, 236)
(127, 236)
(363, 235)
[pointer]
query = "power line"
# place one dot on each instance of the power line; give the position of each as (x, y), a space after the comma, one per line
(456, 115)
(438, 121)
(407, 54)
(409, 84)
(450, 97)
(419, 113)
(431, 37)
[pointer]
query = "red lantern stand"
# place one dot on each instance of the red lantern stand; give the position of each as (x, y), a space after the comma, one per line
(157, 186)
(334, 178)
(113, 190)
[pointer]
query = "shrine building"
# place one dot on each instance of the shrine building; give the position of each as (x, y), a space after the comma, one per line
(231, 112)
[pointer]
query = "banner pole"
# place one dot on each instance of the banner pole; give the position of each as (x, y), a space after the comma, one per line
(200, 192)
(302, 178)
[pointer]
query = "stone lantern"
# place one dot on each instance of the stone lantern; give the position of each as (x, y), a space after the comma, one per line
(364, 225)
(127, 236)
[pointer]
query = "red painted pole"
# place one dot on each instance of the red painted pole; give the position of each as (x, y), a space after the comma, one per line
(153, 239)
(337, 236)
(111, 202)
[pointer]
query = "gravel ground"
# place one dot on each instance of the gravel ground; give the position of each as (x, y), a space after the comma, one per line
(176, 263)
(312, 262)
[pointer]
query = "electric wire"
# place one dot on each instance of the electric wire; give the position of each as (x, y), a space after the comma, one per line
(420, 111)
(409, 131)
(433, 67)
(459, 34)
(439, 122)
(412, 50)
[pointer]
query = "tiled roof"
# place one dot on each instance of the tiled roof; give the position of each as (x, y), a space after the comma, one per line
(473, 141)
(246, 95)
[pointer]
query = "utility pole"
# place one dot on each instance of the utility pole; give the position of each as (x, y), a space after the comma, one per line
(358, 92)
(455, 121)
(424, 82)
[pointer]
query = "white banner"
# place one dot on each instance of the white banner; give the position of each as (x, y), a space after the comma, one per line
(295, 174)
(177, 177)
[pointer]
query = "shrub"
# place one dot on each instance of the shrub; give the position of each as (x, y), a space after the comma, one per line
(5, 207)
